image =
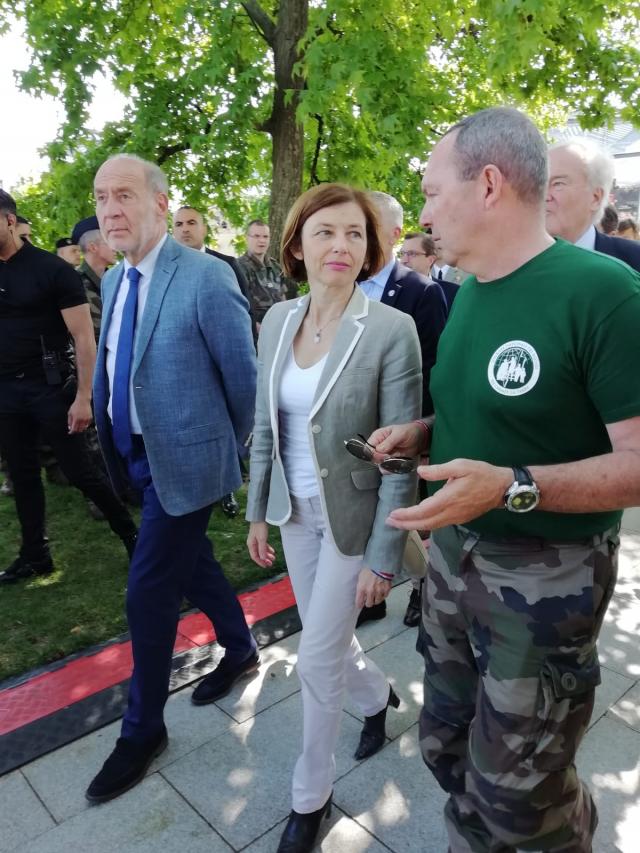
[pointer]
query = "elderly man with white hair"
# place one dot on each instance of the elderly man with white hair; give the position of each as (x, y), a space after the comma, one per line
(580, 180)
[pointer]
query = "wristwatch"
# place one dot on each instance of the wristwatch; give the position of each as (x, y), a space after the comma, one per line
(522, 495)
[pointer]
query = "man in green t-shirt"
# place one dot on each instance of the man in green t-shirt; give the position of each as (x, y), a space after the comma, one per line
(536, 448)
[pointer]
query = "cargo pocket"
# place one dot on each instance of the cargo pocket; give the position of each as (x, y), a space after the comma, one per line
(568, 678)
(568, 686)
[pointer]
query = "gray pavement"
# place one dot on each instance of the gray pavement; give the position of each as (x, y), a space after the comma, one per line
(223, 783)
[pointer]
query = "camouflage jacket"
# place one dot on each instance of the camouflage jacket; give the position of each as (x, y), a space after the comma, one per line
(266, 282)
(92, 287)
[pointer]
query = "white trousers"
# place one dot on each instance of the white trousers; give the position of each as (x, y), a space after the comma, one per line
(329, 657)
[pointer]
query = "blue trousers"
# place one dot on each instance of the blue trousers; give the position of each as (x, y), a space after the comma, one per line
(173, 560)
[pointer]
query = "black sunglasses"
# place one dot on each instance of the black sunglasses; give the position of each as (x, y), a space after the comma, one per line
(361, 449)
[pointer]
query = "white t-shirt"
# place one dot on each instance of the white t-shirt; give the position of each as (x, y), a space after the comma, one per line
(295, 397)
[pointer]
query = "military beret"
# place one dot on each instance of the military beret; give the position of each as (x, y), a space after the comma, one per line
(64, 241)
(80, 228)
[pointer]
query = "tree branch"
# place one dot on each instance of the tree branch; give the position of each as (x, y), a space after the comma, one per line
(316, 154)
(167, 151)
(260, 20)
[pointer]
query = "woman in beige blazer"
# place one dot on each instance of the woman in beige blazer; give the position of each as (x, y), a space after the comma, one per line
(331, 365)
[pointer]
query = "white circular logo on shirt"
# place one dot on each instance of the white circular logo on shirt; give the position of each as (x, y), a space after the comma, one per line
(514, 369)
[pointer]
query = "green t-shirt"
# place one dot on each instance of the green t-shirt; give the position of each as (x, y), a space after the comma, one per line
(531, 367)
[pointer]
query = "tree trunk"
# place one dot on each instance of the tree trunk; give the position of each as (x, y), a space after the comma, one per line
(286, 132)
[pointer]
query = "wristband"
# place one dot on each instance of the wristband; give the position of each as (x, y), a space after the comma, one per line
(386, 576)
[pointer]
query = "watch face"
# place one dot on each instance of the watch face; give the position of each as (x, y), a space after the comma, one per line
(523, 501)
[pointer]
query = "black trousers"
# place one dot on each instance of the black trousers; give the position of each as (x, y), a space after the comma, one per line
(29, 409)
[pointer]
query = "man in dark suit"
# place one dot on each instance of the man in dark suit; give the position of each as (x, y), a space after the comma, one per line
(174, 391)
(413, 294)
(190, 229)
(407, 290)
(419, 252)
(580, 180)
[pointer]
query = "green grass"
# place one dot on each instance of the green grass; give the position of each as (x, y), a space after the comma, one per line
(82, 602)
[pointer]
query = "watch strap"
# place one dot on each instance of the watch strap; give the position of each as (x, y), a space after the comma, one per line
(522, 475)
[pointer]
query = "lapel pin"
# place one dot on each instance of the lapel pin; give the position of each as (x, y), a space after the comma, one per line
(392, 293)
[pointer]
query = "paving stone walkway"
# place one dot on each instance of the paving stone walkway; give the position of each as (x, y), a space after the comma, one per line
(223, 783)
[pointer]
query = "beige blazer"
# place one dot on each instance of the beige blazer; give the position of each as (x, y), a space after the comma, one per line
(372, 377)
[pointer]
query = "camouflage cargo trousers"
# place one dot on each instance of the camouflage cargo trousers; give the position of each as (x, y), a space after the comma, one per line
(509, 641)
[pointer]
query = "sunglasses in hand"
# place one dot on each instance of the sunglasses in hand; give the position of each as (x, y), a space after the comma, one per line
(361, 449)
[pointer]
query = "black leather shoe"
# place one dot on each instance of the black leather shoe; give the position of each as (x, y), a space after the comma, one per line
(370, 614)
(129, 543)
(414, 608)
(21, 569)
(372, 735)
(219, 682)
(301, 831)
(229, 505)
(125, 767)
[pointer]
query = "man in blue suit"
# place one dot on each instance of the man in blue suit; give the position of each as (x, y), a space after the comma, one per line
(580, 180)
(174, 393)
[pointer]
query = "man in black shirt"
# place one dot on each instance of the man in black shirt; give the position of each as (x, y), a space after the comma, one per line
(42, 302)
(23, 229)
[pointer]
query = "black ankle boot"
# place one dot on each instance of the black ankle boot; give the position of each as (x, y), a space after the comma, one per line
(371, 614)
(372, 735)
(301, 831)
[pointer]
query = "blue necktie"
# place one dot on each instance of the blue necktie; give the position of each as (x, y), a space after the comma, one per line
(122, 374)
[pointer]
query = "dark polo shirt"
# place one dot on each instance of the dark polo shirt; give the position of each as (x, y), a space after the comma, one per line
(35, 286)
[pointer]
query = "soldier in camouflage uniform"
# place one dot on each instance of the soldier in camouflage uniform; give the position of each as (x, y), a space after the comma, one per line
(537, 366)
(97, 257)
(266, 282)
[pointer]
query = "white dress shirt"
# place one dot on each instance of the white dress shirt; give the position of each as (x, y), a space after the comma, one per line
(374, 287)
(588, 239)
(145, 268)
(436, 270)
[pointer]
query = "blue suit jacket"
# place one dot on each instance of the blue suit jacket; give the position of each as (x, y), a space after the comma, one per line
(194, 378)
(413, 294)
(626, 250)
(242, 282)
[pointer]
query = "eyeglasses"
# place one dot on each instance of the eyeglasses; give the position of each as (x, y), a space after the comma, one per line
(408, 253)
(361, 449)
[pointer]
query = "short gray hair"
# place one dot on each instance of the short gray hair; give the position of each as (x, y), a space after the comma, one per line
(508, 139)
(599, 166)
(154, 176)
(89, 237)
(389, 207)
